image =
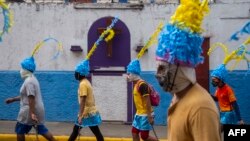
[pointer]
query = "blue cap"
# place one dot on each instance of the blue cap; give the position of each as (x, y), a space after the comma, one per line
(83, 68)
(220, 72)
(29, 64)
(134, 67)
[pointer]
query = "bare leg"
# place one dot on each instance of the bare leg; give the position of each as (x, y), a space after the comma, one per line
(135, 137)
(49, 136)
(20, 137)
(151, 139)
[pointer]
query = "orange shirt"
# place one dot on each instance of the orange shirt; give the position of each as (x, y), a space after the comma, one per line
(225, 97)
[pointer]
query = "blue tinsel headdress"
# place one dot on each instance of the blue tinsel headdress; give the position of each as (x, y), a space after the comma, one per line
(83, 68)
(220, 72)
(180, 40)
(134, 67)
(29, 64)
(179, 46)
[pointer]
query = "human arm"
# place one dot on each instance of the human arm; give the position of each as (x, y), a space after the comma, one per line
(144, 90)
(12, 99)
(214, 97)
(234, 104)
(32, 108)
(82, 95)
(237, 111)
(149, 107)
(81, 108)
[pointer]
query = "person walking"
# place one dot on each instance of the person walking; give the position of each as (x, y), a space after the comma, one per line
(31, 112)
(88, 115)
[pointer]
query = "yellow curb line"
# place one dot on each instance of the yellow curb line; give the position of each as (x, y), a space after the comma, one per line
(32, 137)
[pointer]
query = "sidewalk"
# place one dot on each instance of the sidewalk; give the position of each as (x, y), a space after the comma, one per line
(112, 131)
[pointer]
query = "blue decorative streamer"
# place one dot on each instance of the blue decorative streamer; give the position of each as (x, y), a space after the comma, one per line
(245, 30)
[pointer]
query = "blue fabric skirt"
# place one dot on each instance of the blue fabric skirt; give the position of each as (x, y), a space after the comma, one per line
(228, 117)
(141, 122)
(92, 120)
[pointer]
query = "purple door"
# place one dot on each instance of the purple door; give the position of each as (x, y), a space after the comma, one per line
(112, 54)
(116, 52)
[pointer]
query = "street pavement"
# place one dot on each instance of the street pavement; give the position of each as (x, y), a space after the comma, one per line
(114, 130)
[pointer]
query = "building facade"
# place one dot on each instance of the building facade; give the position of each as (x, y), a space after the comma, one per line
(78, 24)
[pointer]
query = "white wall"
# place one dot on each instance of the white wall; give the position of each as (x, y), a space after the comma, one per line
(111, 96)
(70, 26)
(223, 21)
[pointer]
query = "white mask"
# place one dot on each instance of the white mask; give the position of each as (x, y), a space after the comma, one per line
(25, 73)
(174, 79)
(132, 77)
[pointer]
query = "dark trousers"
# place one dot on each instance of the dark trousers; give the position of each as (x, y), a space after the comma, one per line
(95, 130)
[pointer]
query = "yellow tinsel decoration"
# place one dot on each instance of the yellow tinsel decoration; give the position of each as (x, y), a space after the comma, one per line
(41, 43)
(151, 40)
(93, 48)
(8, 19)
(239, 54)
(189, 14)
(110, 35)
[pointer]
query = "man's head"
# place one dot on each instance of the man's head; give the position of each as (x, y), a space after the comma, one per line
(219, 75)
(133, 70)
(25, 73)
(28, 66)
(216, 82)
(78, 76)
(180, 45)
(82, 70)
(132, 77)
(174, 78)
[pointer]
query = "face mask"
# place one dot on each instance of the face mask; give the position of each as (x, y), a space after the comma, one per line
(172, 78)
(165, 75)
(132, 77)
(215, 84)
(25, 73)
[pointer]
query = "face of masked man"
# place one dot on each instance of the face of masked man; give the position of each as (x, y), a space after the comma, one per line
(132, 77)
(25, 73)
(173, 78)
(216, 82)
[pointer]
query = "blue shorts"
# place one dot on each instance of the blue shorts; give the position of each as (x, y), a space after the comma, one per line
(228, 117)
(92, 120)
(141, 123)
(25, 129)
